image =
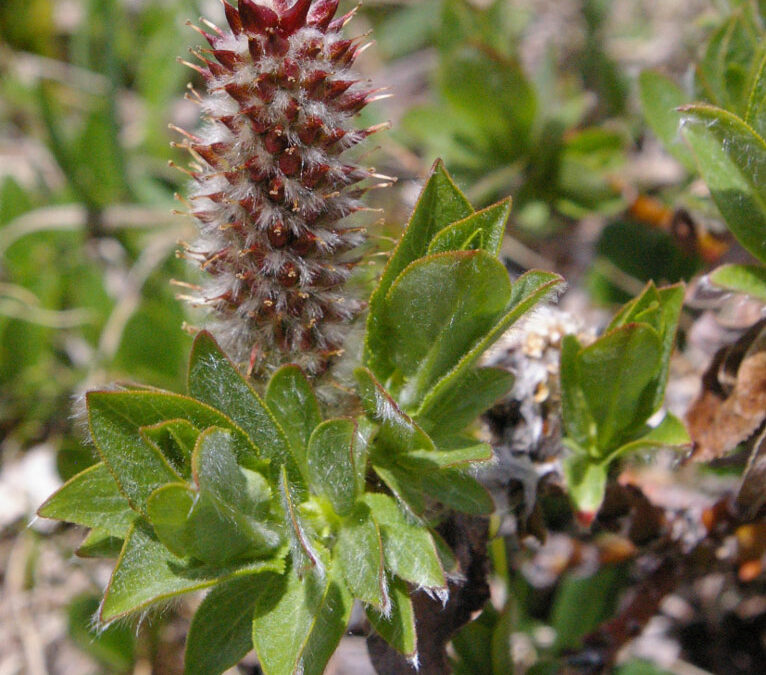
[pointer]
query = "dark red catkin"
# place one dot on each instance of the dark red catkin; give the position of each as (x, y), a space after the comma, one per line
(271, 182)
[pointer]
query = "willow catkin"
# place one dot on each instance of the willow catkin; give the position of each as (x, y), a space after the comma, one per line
(272, 183)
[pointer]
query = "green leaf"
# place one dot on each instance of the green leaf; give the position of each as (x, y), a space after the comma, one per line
(613, 373)
(92, 499)
(645, 308)
(405, 487)
(221, 632)
(453, 299)
(586, 482)
(100, 544)
(659, 308)
(660, 97)
(722, 72)
(504, 119)
(578, 422)
(291, 399)
(398, 626)
(168, 509)
(113, 646)
(215, 469)
(582, 603)
(409, 549)
(214, 379)
(175, 439)
(147, 572)
(467, 397)
(440, 203)
(304, 553)
(398, 433)
(749, 279)
(732, 160)
(527, 291)
(637, 667)
(671, 300)
(489, 223)
(299, 621)
(116, 419)
(359, 552)
(458, 490)
(473, 644)
(331, 460)
(755, 115)
(670, 433)
(224, 523)
(14, 201)
(460, 456)
(483, 645)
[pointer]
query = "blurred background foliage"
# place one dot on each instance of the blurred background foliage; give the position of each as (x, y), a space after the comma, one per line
(539, 100)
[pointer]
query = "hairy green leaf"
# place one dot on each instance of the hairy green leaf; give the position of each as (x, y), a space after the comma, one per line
(214, 379)
(670, 433)
(732, 159)
(299, 621)
(440, 203)
(221, 632)
(454, 299)
(168, 509)
(470, 393)
(398, 626)
(147, 572)
(100, 544)
(331, 460)
(586, 482)
(578, 422)
(613, 373)
(405, 487)
(116, 419)
(527, 291)
(291, 400)
(175, 439)
(92, 499)
(359, 552)
(489, 223)
(458, 490)
(409, 549)
(398, 433)
(458, 456)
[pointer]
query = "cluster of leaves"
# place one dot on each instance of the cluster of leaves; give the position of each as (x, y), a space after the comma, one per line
(530, 135)
(277, 509)
(724, 133)
(611, 387)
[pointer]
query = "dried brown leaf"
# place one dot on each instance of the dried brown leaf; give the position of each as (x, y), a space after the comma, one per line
(732, 405)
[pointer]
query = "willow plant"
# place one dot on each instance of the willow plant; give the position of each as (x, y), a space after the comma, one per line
(241, 486)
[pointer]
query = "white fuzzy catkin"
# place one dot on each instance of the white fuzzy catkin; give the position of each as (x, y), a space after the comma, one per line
(272, 186)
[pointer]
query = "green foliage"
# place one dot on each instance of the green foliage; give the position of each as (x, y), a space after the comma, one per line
(268, 504)
(724, 129)
(610, 389)
(522, 137)
(749, 279)
(732, 160)
(483, 646)
(114, 646)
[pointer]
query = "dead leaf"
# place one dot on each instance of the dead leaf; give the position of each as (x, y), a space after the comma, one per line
(732, 405)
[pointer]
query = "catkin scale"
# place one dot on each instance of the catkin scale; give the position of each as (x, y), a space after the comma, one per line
(272, 184)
